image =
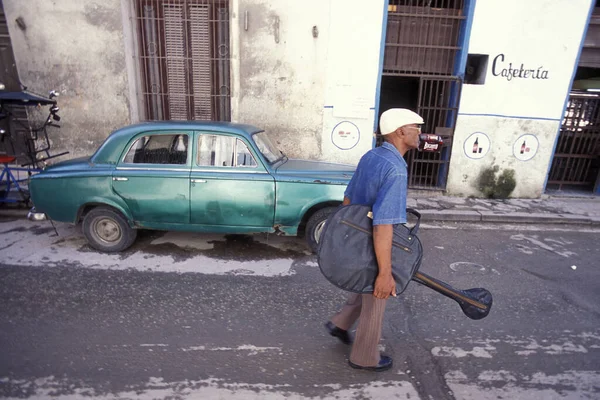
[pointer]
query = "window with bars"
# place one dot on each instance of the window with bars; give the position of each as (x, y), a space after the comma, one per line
(576, 161)
(422, 36)
(184, 59)
(14, 135)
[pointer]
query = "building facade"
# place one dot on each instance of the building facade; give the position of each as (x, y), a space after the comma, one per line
(494, 78)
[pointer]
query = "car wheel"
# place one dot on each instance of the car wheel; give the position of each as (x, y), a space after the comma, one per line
(314, 227)
(107, 230)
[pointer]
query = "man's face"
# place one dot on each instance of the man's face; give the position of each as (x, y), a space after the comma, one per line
(411, 135)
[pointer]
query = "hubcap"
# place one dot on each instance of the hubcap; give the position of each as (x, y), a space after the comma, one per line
(318, 230)
(107, 230)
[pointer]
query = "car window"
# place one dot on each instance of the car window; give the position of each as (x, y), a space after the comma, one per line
(223, 151)
(159, 149)
(244, 157)
(266, 147)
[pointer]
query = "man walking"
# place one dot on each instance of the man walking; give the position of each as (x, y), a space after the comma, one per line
(380, 181)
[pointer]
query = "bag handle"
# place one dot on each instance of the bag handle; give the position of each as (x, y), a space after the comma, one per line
(415, 229)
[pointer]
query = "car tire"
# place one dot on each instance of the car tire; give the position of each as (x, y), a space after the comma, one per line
(107, 230)
(315, 225)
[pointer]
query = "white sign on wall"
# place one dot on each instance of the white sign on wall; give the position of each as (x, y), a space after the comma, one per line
(477, 145)
(349, 103)
(345, 135)
(525, 147)
(531, 56)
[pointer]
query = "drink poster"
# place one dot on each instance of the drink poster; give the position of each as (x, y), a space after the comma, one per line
(477, 145)
(525, 147)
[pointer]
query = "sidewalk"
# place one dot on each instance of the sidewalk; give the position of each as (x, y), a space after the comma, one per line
(583, 210)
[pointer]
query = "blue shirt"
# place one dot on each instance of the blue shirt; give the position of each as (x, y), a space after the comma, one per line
(381, 181)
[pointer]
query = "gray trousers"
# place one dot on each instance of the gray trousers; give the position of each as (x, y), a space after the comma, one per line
(369, 311)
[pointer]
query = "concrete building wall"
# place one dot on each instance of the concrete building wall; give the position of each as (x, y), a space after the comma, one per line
(299, 69)
(279, 70)
(75, 47)
(516, 114)
(353, 66)
(307, 73)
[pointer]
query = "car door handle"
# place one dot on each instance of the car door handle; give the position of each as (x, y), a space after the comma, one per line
(120, 179)
(198, 180)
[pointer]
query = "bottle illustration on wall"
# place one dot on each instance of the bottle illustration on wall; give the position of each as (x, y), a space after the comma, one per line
(476, 147)
(524, 147)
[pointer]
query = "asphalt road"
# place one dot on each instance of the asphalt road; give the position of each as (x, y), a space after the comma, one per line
(239, 318)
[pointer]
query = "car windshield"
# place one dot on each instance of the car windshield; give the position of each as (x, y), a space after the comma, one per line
(267, 148)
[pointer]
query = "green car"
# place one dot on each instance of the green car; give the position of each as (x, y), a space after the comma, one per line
(188, 176)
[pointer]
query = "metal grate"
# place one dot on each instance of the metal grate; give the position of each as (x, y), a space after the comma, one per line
(577, 156)
(422, 37)
(438, 105)
(184, 57)
(15, 144)
(200, 47)
(422, 41)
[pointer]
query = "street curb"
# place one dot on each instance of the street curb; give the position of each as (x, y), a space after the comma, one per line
(595, 220)
(512, 217)
(538, 218)
(450, 215)
(7, 212)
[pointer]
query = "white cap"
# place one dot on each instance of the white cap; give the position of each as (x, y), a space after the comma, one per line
(395, 118)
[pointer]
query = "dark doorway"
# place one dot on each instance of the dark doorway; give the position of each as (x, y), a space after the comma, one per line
(421, 49)
(576, 161)
(398, 92)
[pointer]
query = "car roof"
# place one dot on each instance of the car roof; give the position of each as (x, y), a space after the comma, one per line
(111, 149)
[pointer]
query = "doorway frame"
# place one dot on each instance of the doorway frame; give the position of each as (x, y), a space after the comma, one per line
(460, 63)
(596, 189)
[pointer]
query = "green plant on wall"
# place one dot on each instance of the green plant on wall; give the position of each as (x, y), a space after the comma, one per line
(493, 187)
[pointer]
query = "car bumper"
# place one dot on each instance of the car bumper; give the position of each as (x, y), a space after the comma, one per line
(33, 215)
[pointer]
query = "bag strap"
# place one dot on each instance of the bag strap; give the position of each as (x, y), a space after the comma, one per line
(415, 229)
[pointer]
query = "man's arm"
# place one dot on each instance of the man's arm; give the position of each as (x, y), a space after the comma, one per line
(346, 201)
(382, 240)
(389, 209)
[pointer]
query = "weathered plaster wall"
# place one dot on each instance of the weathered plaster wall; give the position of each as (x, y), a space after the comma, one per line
(75, 47)
(503, 133)
(298, 87)
(280, 70)
(514, 33)
(353, 64)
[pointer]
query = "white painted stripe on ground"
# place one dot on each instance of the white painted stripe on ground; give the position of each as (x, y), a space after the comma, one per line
(493, 385)
(567, 343)
(22, 247)
(457, 352)
(212, 389)
(253, 350)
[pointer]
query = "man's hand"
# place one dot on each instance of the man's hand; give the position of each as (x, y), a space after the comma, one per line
(384, 286)
(382, 240)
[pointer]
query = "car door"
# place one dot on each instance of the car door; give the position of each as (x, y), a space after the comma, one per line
(229, 185)
(153, 178)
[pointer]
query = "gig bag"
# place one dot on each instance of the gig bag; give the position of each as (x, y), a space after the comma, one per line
(346, 255)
